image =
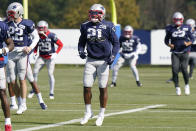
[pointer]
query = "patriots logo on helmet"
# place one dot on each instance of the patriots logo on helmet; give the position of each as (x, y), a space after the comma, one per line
(14, 7)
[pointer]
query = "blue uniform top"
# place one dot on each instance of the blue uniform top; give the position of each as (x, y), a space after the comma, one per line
(3, 36)
(20, 32)
(100, 39)
(47, 45)
(177, 36)
(193, 46)
(129, 45)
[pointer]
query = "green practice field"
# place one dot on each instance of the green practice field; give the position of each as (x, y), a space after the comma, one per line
(128, 105)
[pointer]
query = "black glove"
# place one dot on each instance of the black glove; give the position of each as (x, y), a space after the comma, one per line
(82, 54)
(110, 60)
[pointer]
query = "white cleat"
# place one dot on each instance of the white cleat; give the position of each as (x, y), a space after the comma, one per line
(14, 107)
(87, 116)
(22, 108)
(51, 96)
(178, 91)
(187, 90)
(31, 94)
(99, 120)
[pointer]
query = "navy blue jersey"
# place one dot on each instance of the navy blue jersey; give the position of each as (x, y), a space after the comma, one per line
(20, 32)
(99, 39)
(177, 36)
(193, 46)
(129, 45)
(47, 45)
(3, 36)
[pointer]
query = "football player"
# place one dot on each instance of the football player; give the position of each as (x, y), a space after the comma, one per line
(19, 30)
(4, 37)
(130, 47)
(192, 54)
(47, 53)
(179, 38)
(101, 42)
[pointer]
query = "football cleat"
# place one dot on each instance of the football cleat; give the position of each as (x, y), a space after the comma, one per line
(99, 120)
(187, 90)
(139, 84)
(31, 94)
(51, 96)
(14, 107)
(113, 84)
(8, 127)
(178, 91)
(43, 106)
(87, 116)
(22, 108)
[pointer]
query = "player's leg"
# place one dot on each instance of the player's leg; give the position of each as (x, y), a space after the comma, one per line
(175, 70)
(35, 88)
(88, 80)
(39, 64)
(132, 63)
(12, 84)
(51, 66)
(184, 65)
(22, 70)
(115, 69)
(4, 101)
(191, 66)
(103, 75)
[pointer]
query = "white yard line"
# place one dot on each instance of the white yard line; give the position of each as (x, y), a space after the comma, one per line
(78, 120)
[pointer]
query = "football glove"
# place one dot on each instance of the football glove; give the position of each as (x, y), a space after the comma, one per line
(53, 56)
(82, 54)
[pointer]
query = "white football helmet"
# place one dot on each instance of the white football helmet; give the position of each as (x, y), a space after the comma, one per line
(14, 11)
(97, 13)
(128, 31)
(42, 27)
(178, 18)
(191, 23)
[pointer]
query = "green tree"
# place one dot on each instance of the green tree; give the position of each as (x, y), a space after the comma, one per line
(78, 12)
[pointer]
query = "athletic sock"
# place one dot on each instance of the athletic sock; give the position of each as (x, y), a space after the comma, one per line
(39, 97)
(7, 121)
(88, 107)
(13, 100)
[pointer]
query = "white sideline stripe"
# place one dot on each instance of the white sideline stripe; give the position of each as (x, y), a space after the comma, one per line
(78, 120)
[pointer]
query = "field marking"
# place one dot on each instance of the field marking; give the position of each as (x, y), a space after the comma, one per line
(78, 120)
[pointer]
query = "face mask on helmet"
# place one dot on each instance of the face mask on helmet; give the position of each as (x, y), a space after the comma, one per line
(42, 27)
(178, 18)
(14, 11)
(96, 13)
(128, 32)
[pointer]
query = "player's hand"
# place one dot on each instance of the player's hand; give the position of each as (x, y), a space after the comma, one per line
(110, 60)
(187, 43)
(53, 56)
(27, 49)
(171, 46)
(82, 54)
(4, 51)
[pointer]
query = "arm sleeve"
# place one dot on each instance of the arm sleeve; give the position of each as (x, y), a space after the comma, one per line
(35, 50)
(60, 46)
(114, 41)
(167, 36)
(35, 39)
(82, 40)
(191, 37)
